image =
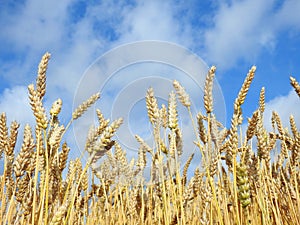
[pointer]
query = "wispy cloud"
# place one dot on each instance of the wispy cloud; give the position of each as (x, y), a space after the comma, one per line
(14, 102)
(242, 29)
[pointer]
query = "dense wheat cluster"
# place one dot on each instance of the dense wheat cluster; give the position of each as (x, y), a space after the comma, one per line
(236, 181)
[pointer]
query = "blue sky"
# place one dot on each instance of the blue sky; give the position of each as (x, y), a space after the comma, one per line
(233, 35)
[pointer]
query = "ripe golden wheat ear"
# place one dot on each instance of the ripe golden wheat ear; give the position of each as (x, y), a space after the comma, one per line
(296, 85)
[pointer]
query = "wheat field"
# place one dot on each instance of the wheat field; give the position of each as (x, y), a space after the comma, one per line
(236, 182)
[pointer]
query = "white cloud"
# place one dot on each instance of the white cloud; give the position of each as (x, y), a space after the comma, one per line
(14, 102)
(288, 16)
(243, 28)
(144, 22)
(37, 24)
(239, 31)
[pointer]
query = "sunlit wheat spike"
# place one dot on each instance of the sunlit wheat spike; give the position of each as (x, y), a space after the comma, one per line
(152, 106)
(141, 162)
(245, 87)
(213, 165)
(27, 203)
(143, 144)
(37, 108)
(172, 110)
(251, 129)
(295, 84)
(201, 128)
(133, 203)
(94, 133)
(233, 141)
(63, 156)
(262, 100)
(277, 120)
(184, 98)
(120, 155)
(163, 147)
(59, 215)
(100, 116)
(179, 141)
(197, 181)
(105, 142)
(295, 157)
(208, 95)
(185, 168)
(41, 77)
(12, 138)
(27, 150)
(188, 196)
(56, 107)
(84, 106)
(163, 116)
(293, 126)
(3, 133)
(56, 135)
(84, 183)
(22, 185)
(262, 140)
(111, 129)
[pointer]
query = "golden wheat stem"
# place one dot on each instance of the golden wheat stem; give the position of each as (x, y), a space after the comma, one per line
(47, 181)
(235, 188)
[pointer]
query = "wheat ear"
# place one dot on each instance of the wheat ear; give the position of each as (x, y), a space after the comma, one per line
(24, 157)
(296, 85)
(262, 100)
(41, 77)
(3, 133)
(37, 108)
(152, 106)
(84, 106)
(245, 87)
(56, 107)
(172, 109)
(184, 98)
(208, 98)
